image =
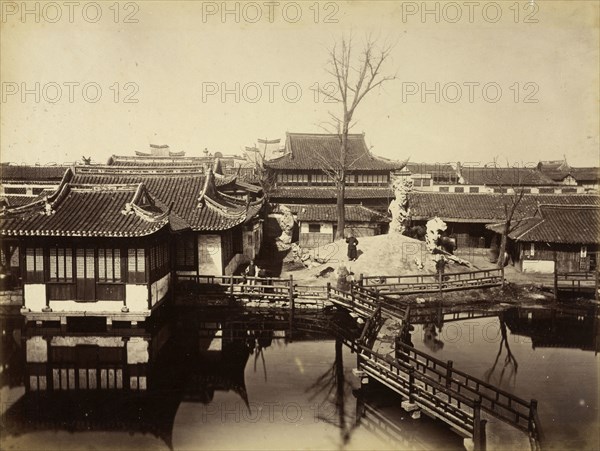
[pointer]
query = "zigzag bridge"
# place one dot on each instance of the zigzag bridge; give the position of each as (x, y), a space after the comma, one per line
(427, 384)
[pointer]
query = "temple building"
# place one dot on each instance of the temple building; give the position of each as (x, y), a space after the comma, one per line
(111, 240)
(302, 174)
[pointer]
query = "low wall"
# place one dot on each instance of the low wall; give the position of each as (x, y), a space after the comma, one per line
(11, 297)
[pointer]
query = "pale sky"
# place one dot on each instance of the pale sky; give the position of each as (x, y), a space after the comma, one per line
(177, 54)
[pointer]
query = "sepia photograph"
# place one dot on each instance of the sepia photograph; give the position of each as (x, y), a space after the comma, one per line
(300, 225)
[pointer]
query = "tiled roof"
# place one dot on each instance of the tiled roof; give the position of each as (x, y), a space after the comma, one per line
(579, 174)
(328, 213)
(85, 210)
(135, 169)
(183, 192)
(573, 224)
(499, 176)
(429, 168)
(31, 173)
(315, 151)
(17, 201)
(351, 192)
(153, 158)
(485, 207)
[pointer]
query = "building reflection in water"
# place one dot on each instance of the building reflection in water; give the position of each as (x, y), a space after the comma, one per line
(85, 377)
(562, 327)
(82, 377)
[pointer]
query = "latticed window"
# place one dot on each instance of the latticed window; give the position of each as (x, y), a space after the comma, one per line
(85, 264)
(372, 179)
(34, 265)
(321, 179)
(136, 266)
(293, 179)
(61, 264)
(185, 252)
(109, 265)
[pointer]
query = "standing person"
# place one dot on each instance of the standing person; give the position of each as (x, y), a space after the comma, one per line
(251, 272)
(352, 252)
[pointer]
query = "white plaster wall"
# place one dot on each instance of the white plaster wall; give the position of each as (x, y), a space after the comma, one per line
(541, 266)
(209, 254)
(36, 350)
(137, 350)
(326, 227)
(160, 288)
(248, 244)
(35, 296)
(104, 342)
(97, 306)
(136, 297)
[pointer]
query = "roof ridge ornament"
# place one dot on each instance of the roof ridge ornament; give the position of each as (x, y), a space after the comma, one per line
(48, 207)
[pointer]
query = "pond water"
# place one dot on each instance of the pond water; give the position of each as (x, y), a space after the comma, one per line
(546, 354)
(224, 379)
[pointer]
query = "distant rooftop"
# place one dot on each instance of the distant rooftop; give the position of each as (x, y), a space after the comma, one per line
(310, 151)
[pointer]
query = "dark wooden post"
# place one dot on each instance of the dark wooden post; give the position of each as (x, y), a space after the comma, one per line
(360, 279)
(478, 434)
(328, 290)
(555, 275)
(291, 293)
(482, 436)
(597, 271)
(411, 384)
(449, 373)
(231, 285)
(502, 276)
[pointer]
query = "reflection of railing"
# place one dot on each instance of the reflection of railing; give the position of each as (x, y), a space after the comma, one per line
(431, 283)
(72, 376)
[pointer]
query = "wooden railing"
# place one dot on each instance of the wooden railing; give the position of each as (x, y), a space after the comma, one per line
(578, 275)
(497, 402)
(272, 288)
(431, 283)
(430, 395)
(369, 291)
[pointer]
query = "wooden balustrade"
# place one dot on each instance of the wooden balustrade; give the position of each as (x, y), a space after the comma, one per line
(494, 400)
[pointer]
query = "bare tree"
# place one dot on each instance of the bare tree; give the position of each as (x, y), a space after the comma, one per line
(263, 175)
(353, 78)
(511, 200)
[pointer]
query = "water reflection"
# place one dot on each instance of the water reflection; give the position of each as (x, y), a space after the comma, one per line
(170, 378)
(548, 354)
(509, 366)
(558, 327)
(430, 337)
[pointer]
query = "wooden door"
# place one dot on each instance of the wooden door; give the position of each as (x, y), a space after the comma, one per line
(86, 275)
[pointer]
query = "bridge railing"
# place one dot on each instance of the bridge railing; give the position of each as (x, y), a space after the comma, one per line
(352, 300)
(423, 283)
(456, 409)
(497, 402)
